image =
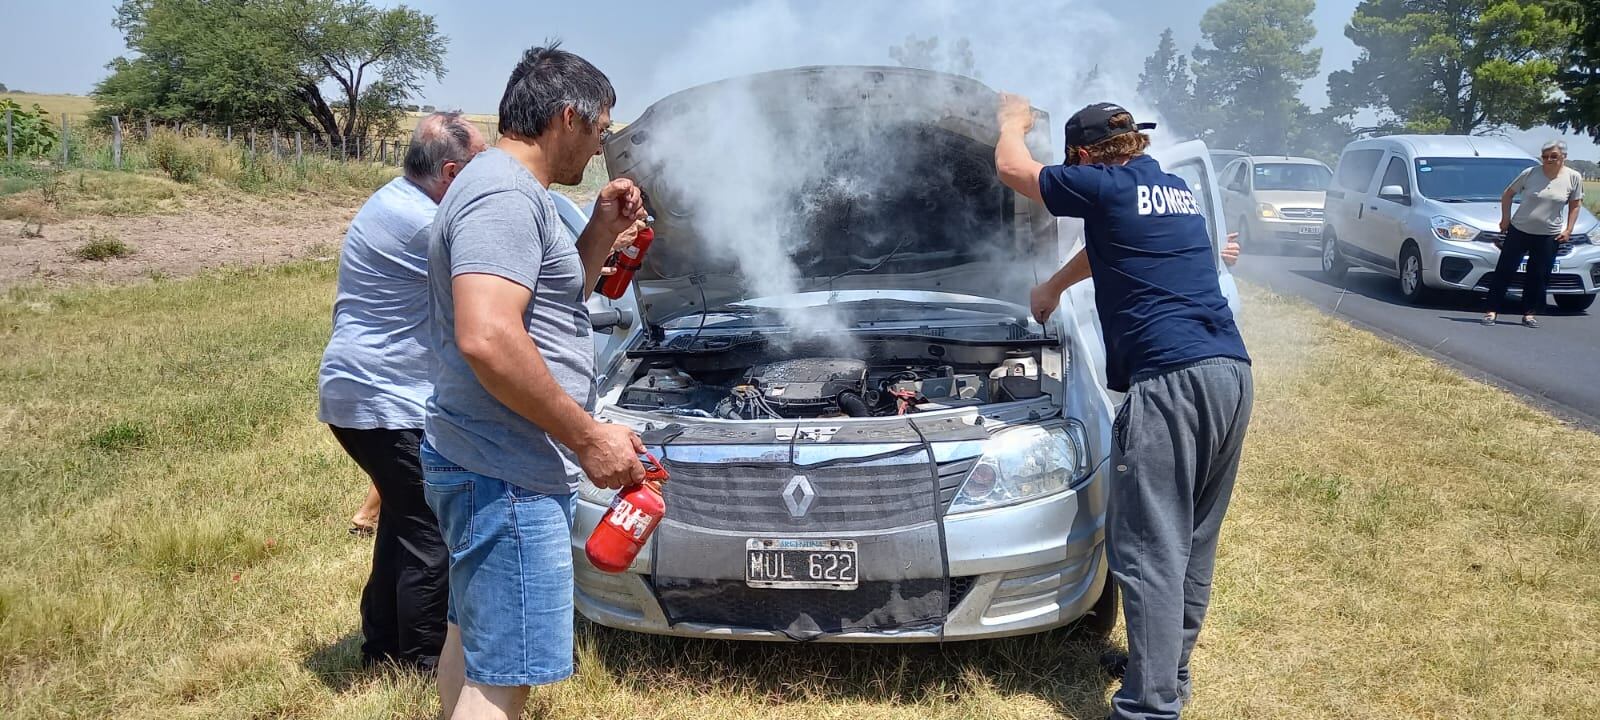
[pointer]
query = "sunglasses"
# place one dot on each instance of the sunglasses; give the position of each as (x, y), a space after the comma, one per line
(1551, 157)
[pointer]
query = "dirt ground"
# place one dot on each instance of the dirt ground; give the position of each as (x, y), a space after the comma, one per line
(200, 237)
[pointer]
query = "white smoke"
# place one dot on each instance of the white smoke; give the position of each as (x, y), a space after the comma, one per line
(753, 169)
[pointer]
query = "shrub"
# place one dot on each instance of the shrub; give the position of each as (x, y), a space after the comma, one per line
(32, 135)
(102, 246)
(175, 156)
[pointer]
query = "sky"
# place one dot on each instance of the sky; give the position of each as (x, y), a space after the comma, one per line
(650, 49)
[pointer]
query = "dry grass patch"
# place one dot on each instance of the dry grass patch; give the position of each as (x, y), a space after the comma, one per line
(1403, 543)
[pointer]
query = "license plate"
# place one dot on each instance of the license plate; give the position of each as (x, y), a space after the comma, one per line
(1555, 267)
(801, 564)
(1310, 230)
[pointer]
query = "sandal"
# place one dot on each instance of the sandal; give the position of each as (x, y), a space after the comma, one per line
(363, 531)
(1530, 321)
(1488, 319)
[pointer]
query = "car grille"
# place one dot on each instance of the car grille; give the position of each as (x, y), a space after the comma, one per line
(1301, 213)
(848, 496)
(873, 606)
(1558, 281)
(1491, 237)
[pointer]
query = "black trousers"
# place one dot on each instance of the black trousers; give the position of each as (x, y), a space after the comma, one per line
(1541, 253)
(403, 606)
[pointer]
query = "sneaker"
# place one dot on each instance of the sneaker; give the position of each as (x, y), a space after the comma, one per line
(1115, 663)
(1530, 321)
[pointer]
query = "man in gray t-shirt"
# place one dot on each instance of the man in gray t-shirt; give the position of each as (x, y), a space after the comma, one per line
(508, 429)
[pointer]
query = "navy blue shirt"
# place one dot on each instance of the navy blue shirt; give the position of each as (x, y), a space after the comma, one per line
(1155, 275)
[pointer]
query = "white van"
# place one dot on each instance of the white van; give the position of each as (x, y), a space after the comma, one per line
(1425, 209)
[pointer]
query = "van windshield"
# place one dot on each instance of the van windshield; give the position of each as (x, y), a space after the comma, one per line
(1464, 180)
(1292, 176)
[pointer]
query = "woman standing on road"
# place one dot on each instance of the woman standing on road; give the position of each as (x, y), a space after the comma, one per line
(1549, 191)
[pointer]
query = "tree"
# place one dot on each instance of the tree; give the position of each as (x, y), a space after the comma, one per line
(1453, 66)
(1579, 76)
(1587, 168)
(271, 63)
(3, 88)
(1253, 70)
(926, 54)
(1167, 84)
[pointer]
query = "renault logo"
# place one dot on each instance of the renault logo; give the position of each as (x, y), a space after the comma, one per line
(798, 495)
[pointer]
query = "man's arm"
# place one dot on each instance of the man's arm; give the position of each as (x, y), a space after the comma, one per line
(494, 342)
(1572, 219)
(1045, 297)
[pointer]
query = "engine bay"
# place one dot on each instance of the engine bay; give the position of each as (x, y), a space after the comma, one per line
(825, 386)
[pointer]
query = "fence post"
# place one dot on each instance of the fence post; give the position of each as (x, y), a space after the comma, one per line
(230, 134)
(298, 149)
(9, 153)
(205, 130)
(274, 143)
(116, 142)
(66, 140)
(147, 129)
(252, 141)
(344, 147)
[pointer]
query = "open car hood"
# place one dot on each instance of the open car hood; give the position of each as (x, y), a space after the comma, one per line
(829, 178)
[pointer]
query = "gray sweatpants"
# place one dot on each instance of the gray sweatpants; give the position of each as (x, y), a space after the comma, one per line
(1178, 439)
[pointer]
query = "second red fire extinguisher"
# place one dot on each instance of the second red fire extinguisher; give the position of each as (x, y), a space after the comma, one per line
(627, 261)
(628, 523)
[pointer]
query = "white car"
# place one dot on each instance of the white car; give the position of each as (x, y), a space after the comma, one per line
(946, 481)
(1275, 203)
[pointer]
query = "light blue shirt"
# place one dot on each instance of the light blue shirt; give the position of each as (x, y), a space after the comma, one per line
(375, 370)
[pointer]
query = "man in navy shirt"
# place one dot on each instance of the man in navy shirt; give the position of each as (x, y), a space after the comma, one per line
(1172, 346)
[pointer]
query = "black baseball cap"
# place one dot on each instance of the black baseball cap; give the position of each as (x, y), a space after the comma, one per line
(1092, 125)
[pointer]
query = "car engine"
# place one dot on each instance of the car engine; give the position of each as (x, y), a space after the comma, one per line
(822, 387)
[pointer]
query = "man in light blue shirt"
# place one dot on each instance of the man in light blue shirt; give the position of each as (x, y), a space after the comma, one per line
(373, 387)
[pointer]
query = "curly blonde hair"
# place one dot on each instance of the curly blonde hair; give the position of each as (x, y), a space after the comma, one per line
(1117, 150)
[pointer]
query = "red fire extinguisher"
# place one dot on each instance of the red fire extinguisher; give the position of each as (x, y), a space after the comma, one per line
(627, 261)
(627, 524)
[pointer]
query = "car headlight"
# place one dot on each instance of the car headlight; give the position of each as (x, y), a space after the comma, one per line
(1452, 229)
(1267, 210)
(1024, 464)
(589, 492)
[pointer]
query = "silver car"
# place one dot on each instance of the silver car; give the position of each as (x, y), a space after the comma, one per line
(1425, 209)
(933, 470)
(1275, 203)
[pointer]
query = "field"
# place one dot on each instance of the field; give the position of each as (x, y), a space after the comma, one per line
(1591, 196)
(77, 107)
(1404, 542)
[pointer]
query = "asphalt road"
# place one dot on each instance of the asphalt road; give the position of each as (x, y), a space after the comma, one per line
(1556, 365)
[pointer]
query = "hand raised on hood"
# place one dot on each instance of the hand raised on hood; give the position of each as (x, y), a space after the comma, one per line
(1014, 113)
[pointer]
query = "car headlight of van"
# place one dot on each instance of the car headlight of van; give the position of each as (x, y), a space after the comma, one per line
(1446, 228)
(1024, 464)
(1267, 210)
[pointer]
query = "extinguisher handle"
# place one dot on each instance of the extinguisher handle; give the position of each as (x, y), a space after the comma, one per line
(653, 470)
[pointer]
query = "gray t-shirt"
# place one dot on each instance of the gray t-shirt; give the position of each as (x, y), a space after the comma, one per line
(498, 220)
(1544, 201)
(374, 373)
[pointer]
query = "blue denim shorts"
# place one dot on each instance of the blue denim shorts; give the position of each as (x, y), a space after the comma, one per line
(510, 573)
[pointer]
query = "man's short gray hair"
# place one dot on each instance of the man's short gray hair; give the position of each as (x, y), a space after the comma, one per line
(1554, 145)
(439, 138)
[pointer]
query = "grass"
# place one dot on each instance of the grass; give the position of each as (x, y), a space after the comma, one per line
(77, 107)
(1591, 196)
(102, 246)
(1403, 542)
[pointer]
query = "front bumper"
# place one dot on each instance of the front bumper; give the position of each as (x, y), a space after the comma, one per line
(1297, 232)
(1470, 266)
(1013, 571)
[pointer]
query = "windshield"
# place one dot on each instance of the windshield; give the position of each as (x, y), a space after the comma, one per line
(1468, 179)
(1286, 176)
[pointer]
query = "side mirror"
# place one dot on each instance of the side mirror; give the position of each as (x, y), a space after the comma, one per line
(1395, 193)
